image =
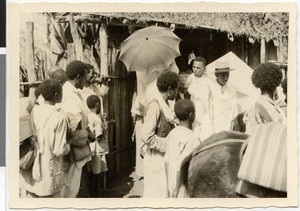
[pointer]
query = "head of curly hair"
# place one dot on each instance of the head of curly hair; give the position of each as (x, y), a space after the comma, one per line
(183, 108)
(167, 79)
(266, 76)
(49, 88)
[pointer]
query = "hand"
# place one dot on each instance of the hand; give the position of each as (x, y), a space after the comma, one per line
(91, 135)
(104, 116)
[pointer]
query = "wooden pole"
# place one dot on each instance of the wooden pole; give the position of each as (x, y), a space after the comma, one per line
(71, 52)
(103, 50)
(49, 60)
(76, 38)
(30, 55)
(44, 69)
(280, 54)
(107, 109)
(263, 50)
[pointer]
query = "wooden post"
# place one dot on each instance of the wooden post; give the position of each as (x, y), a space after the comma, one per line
(108, 109)
(71, 52)
(263, 50)
(103, 49)
(93, 60)
(44, 69)
(49, 60)
(76, 38)
(280, 54)
(30, 55)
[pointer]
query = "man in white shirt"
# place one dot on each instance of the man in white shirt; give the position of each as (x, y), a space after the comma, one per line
(74, 107)
(199, 91)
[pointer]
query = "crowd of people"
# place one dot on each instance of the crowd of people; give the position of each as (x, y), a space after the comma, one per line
(66, 126)
(203, 107)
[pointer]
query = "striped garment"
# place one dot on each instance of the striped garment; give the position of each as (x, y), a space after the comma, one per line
(265, 160)
(264, 110)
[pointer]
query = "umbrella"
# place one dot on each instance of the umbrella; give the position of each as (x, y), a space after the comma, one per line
(150, 49)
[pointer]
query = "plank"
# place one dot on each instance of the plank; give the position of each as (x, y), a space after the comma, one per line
(30, 55)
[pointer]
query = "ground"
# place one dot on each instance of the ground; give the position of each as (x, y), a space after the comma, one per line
(128, 186)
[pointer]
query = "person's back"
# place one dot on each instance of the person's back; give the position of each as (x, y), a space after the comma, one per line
(51, 129)
(264, 113)
(98, 148)
(96, 125)
(267, 77)
(158, 122)
(181, 142)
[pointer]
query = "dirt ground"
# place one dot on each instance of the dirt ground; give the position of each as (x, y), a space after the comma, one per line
(127, 186)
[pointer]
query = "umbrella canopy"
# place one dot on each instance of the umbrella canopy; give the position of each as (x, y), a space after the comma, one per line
(239, 79)
(150, 49)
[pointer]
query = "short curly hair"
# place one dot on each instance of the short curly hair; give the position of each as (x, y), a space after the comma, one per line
(167, 79)
(49, 87)
(266, 76)
(75, 68)
(92, 101)
(183, 108)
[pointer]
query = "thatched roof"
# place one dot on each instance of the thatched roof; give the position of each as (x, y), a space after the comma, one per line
(254, 25)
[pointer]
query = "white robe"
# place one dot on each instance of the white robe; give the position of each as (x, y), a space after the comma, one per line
(47, 173)
(224, 106)
(181, 143)
(200, 94)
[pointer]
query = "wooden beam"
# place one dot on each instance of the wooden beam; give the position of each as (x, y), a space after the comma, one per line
(45, 65)
(76, 38)
(71, 52)
(49, 60)
(30, 84)
(263, 50)
(30, 55)
(103, 49)
(280, 52)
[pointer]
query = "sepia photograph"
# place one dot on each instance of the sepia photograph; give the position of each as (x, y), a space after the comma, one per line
(145, 104)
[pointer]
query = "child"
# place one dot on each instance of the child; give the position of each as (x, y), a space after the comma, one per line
(51, 130)
(100, 147)
(181, 142)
